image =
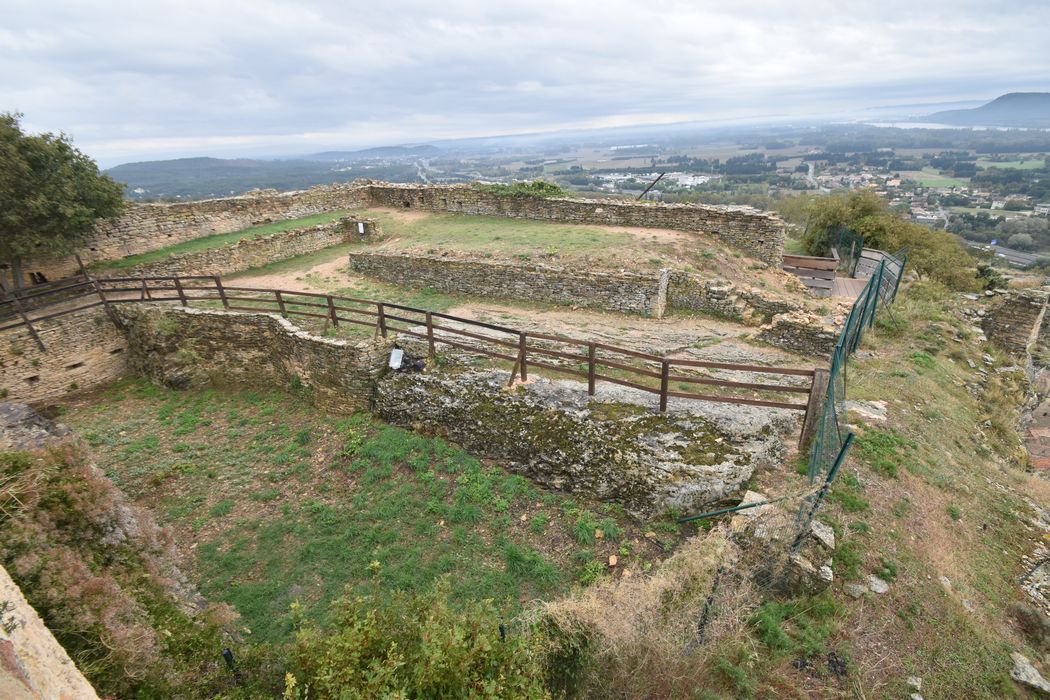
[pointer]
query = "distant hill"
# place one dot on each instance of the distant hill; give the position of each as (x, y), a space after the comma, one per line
(203, 178)
(381, 152)
(1015, 109)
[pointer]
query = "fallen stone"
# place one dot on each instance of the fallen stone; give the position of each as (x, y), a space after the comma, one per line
(915, 683)
(823, 533)
(803, 577)
(869, 411)
(854, 590)
(1026, 674)
(877, 585)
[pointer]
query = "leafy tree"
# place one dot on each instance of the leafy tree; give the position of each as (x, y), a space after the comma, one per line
(931, 253)
(51, 195)
(1022, 241)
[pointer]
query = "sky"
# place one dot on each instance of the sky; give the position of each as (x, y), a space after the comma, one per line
(132, 81)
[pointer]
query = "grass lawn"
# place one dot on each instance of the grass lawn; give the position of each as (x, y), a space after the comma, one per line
(221, 239)
(931, 178)
(279, 503)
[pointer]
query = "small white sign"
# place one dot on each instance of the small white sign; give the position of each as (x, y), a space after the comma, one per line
(361, 227)
(397, 355)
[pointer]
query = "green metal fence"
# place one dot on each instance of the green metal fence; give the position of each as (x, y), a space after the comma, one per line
(831, 441)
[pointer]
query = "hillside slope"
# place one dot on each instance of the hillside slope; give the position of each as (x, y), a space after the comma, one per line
(1015, 109)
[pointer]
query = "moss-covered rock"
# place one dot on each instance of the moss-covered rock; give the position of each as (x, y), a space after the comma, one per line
(551, 431)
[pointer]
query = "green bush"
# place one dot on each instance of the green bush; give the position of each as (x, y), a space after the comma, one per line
(413, 646)
(536, 188)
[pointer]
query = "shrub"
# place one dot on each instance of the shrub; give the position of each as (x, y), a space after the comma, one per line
(414, 646)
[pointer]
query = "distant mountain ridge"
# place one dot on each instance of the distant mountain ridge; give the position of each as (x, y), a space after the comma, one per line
(421, 151)
(1015, 109)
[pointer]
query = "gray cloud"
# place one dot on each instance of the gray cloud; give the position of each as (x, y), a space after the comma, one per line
(143, 80)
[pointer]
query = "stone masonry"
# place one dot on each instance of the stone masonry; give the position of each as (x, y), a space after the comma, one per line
(1016, 321)
(84, 350)
(146, 227)
(627, 292)
(182, 347)
(249, 252)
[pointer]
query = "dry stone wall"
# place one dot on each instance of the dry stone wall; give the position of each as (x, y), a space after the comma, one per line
(760, 234)
(85, 349)
(249, 252)
(626, 292)
(146, 227)
(183, 347)
(688, 291)
(801, 332)
(1017, 320)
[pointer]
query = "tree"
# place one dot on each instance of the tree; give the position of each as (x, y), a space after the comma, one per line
(51, 195)
(1022, 241)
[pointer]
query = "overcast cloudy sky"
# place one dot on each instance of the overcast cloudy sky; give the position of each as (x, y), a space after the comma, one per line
(156, 79)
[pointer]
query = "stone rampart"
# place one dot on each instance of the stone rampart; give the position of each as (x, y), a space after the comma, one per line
(1016, 321)
(84, 350)
(761, 234)
(627, 292)
(146, 227)
(688, 291)
(245, 253)
(182, 347)
(801, 332)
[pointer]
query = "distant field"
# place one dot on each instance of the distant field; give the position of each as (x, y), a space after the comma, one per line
(1027, 164)
(222, 239)
(931, 178)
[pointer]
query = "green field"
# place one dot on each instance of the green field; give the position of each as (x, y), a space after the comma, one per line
(931, 178)
(284, 504)
(1027, 164)
(221, 239)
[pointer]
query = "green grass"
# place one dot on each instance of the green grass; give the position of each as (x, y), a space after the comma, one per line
(290, 505)
(1027, 164)
(208, 242)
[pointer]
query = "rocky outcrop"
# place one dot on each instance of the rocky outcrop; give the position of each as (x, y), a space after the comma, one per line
(612, 446)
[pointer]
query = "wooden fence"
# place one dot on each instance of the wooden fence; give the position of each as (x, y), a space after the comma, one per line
(818, 274)
(588, 361)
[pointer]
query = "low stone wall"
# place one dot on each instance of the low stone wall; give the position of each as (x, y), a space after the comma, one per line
(146, 227)
(84, 350)
(758, 233)
(626, 292)
(608, 447)
(688, 291)
(1016, 320)
(249, 252)
(182, 347)
(802, 333)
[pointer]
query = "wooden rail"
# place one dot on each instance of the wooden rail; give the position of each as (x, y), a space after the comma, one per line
(589, 361)
(818, 274)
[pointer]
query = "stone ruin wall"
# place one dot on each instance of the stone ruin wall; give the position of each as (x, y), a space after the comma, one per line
(626, 292)
(760, 234)
(1017, 320)
(249, 253)
(649, 294)
(183, 347)
(85, 349)
(146, 227)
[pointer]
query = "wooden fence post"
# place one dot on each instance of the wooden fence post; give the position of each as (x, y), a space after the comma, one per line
(182, 294)
(522, 340)
(25, 320)
(381, 325)
(331, 311)
(817, 392)
(280, 302)
(222, 292)
(591, 349)
(665, 371)
(430, 335)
